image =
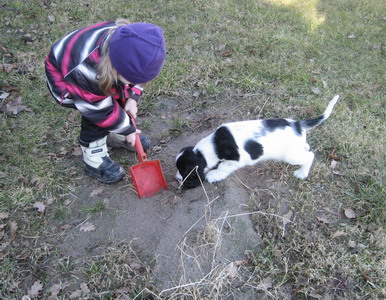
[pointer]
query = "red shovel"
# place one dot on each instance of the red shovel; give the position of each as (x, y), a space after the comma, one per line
(147, 175)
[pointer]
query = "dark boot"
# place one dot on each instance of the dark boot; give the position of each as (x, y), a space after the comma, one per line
(99, 165)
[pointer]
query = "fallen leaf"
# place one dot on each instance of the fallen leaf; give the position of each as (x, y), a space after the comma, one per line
(96, 191)
(333, 164)
(16, 106)
(50, 200)
(242, 262)
(265, 284)
(77, 151)
(333, 155)
(324, 219)
(85, 289)
(4, 215)
(55, 289)
(196, 94)
(287, 217)
(337, 234)
(7, 68)
(349, 213)
(35, 289)
(352, 244)
(86, 227)
(13, 226)
(231, 270)
(365, 276)
(316, 90)
(3, 95)
(65, 226)
(227, 53)
(76, 294)
(3, 246)
(40, 206)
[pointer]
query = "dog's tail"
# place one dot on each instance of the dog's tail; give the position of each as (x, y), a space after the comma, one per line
(312, 123)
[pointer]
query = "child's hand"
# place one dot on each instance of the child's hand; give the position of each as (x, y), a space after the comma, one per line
(131, 107)
(131, 137)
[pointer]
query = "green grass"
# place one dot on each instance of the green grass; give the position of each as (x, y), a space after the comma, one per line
(254, 58)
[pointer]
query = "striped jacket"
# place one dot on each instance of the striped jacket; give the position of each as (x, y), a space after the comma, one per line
(71, 68)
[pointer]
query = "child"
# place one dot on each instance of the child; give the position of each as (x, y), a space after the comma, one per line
(101, 70)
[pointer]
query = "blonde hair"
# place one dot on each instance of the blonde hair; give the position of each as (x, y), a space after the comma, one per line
(106, 74)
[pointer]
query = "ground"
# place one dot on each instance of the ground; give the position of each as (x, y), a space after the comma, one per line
(203, 239)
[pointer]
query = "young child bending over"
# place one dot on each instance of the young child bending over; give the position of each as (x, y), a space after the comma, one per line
(101, 71)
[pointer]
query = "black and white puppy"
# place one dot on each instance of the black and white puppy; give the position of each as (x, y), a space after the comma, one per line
(238, 144)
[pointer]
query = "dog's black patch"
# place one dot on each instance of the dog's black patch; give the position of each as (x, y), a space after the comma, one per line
(297, 127)
(188, 161)
(254, 149)
(273, 124)
(225, 144)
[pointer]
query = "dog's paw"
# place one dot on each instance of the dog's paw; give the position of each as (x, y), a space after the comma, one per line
(213, 177)
(300, 174)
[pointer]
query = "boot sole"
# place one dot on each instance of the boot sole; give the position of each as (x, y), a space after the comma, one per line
(116, 179)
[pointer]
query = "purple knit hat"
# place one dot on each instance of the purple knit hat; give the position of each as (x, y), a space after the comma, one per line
(137, 51)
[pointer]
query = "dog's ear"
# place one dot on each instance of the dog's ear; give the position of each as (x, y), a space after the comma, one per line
(195, 165)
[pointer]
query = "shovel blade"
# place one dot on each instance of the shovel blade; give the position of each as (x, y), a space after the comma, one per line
(148, 178)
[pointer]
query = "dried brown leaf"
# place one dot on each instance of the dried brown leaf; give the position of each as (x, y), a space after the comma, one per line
(13, 226)
(287, 217)
(324, 219)
(35, 289)
(231, 270)
(4, 215)
(333, 164)
(265, 284)
(85, 289)
(77, 151)
(3, 95)
(352, 244)
(242, 262)
(16, 106)
(337, 173)
(316, 90)
(350, 213)
(55, 290)
(76, 294)
(337, 234)
(97, 191)
(3, 246)
(40, 206)
(86, 227)
(7, 68)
